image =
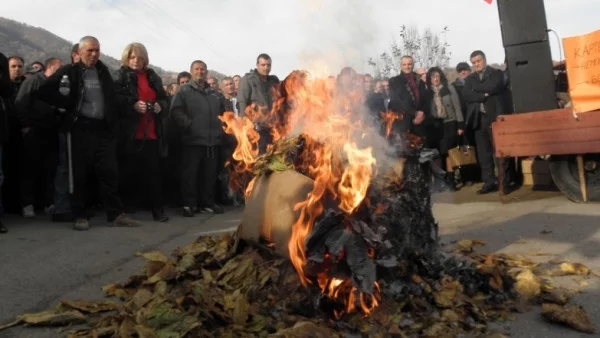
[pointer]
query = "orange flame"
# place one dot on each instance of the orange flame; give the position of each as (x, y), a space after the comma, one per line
(389, 118)
(341, 169)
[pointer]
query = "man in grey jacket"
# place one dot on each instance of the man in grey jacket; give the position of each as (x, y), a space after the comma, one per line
(255, 93)
(195, 109)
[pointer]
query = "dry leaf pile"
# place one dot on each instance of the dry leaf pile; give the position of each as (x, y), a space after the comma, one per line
(216, 287)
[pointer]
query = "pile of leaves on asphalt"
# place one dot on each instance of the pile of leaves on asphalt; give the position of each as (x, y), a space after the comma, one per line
(222, 287)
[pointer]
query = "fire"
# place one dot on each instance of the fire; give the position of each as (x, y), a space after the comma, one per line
(343, 291)
(389, 118)
(341, 169)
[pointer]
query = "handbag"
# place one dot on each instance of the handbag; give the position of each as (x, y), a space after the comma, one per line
(462, 155)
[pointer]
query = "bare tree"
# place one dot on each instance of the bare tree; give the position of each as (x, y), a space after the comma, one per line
(427, 48)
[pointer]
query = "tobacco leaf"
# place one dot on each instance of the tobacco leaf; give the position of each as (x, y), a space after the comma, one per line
(144, 332)
(571, 315)
(185, 263)
(116, 290)
(528, 285)
(557, 296)
(154, 256)
(89, 306)
(166, 273)
(572, 269)
(142, 297)
(51, 318)
(467, 245)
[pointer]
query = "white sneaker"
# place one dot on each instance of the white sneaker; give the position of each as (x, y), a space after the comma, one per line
(28, 211)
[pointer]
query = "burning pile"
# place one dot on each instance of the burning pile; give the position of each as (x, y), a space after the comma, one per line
(368, 208)
(362, 258)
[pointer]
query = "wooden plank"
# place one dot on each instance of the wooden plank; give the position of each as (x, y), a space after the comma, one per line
(552, 132)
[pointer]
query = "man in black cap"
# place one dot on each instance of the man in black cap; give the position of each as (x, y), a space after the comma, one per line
(468, 174)
(463, 70)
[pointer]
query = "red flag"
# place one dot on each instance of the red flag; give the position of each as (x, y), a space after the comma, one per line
(488, 1)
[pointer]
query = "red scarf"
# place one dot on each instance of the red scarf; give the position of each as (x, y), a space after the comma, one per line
(412, 82)
(146, 129)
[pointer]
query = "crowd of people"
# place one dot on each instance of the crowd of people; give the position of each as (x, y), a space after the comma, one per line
(77, 135)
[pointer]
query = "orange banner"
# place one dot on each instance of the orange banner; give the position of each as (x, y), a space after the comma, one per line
(582, 56)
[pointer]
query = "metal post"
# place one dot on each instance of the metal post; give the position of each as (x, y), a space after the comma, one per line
(582, 183)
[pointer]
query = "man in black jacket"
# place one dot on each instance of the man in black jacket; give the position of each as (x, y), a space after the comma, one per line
(195, 109)
(38, 127)
(407, 98)
(5, 92)
(483, 93)
(92, 121)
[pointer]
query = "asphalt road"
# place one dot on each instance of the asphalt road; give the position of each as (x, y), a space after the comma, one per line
(42, 263)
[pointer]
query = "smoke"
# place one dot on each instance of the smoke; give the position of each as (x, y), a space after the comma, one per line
(336, 34)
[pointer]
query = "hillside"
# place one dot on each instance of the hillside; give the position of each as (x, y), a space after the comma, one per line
(38, 44)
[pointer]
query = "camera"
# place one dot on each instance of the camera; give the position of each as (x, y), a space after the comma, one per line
(150, 107)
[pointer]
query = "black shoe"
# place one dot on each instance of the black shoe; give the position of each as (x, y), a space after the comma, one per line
(159, 215)
(215, 209)
(507, 189)
(187, 212)
(488, 189)
(450, 182)
(63, 218)
(3, 229)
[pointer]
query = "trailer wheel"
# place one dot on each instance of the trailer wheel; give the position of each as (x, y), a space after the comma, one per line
(566, 176)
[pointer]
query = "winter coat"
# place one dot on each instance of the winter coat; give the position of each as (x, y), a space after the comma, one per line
(49, 92)
(196, 112)
(253, 90)
(126, 83)
(31, 111)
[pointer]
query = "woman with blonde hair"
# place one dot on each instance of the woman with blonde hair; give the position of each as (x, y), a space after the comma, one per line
(143, 108)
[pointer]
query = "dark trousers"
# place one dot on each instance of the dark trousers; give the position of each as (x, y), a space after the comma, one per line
(12, 152)
(40, 158)
(172, 170)
(140, 175)
(199, 175)
(443, 136)
(485, 153)
(62, 201)
(222, 190)
(94, 155)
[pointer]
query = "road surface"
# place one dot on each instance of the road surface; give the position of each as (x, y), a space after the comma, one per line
(42, 263)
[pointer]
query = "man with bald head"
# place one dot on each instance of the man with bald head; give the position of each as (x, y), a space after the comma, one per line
(91, 119)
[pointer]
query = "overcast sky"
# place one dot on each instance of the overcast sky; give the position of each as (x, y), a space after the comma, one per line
(320, 35)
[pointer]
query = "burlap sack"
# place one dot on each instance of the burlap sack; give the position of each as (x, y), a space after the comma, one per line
(269, 210)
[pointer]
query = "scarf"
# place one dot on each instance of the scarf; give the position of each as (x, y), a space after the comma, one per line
(440, 110)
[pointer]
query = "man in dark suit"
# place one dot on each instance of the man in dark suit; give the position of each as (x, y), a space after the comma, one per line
(484, 93)
(407, 97)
